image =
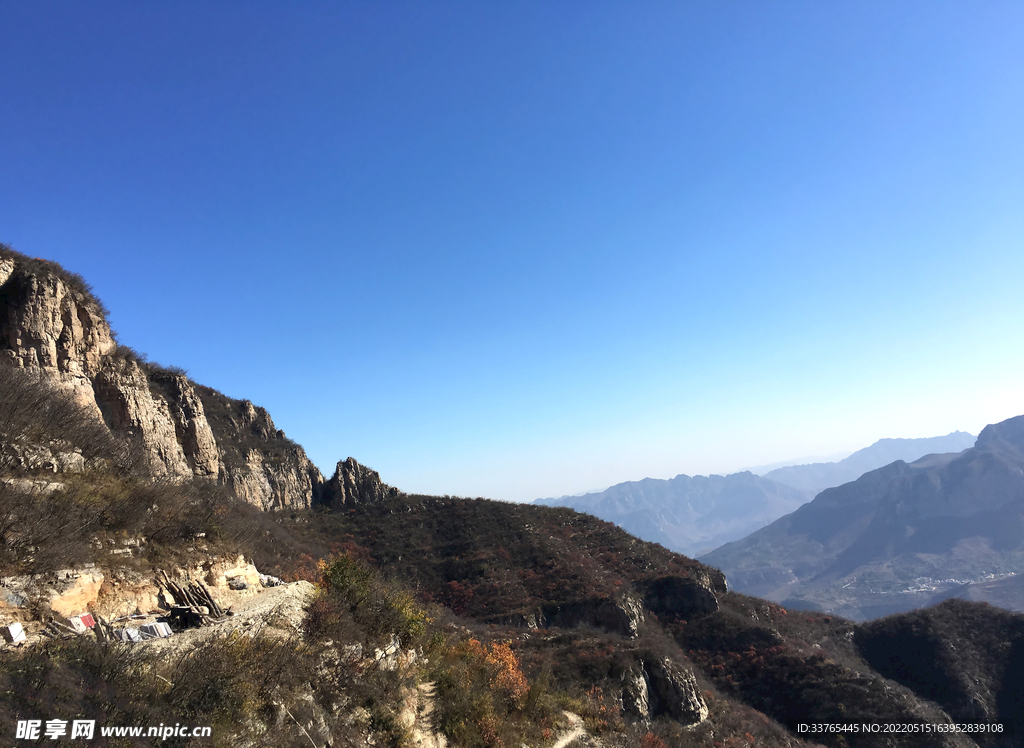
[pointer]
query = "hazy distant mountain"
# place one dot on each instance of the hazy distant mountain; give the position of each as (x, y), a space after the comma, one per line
(695, 515)
(896, 537)
(765, 469)
(689, 515)
(818, 476)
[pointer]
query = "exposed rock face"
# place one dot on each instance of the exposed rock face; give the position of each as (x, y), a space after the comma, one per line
(123, 396)
(622, 616)
(353, 483)
(618, 616)
(258, 461)
(68, 592)
(192, 428)
(125, 592)
(51, 323)
(225, 574)
(674, 691)
(662, 687)
(635, 694)
(291, 485)
(46, 322)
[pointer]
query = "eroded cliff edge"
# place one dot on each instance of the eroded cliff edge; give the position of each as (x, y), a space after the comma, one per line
(53, 326)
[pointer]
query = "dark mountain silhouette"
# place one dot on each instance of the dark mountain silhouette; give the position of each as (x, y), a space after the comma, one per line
(897, 536)
(967, 658)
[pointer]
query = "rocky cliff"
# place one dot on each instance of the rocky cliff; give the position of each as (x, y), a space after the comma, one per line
(53, 326)
(353, 483)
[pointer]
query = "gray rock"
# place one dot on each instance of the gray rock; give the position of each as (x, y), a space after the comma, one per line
(673, 691)
(52, 325)
(353, 483)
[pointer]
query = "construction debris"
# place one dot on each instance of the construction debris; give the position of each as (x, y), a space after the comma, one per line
(158, 630)
(194, 605)
(13, 633)
(82, 623)
(128, 635)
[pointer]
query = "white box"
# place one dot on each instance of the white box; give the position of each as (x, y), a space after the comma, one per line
(13, 633)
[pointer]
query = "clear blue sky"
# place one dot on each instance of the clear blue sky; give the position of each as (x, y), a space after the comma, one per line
(525, 249)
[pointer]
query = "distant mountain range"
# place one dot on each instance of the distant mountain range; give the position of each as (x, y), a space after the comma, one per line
(693, 515)
(898, 537)
(816, 477)
(689, 515)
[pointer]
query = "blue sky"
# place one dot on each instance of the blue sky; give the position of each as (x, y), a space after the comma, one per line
(526, 249)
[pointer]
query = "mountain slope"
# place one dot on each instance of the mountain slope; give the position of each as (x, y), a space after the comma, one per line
(896, 536)
(689, 515)
(818, 476)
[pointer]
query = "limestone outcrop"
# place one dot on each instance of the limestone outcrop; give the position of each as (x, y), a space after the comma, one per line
(52, 325)
(122, 393)
(620, 616)
(674, 691)
(261, 464)
(49, 320)
(191, 427)
(661, 687)
(353, 483)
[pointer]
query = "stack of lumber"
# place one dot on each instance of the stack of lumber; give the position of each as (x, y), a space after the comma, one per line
(193, 604)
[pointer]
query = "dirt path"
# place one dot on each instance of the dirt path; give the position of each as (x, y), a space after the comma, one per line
(575, 733)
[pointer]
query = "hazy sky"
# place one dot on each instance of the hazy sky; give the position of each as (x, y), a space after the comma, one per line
(525, 249)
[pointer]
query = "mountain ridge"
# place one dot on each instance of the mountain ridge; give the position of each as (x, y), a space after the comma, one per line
(896, 536)
(689, 514)
(816, 477)
(731, 506)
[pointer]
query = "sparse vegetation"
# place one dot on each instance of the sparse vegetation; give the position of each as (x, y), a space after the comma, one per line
(27, 268)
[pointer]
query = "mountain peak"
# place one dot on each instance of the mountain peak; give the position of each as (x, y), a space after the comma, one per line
(1006, 435)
